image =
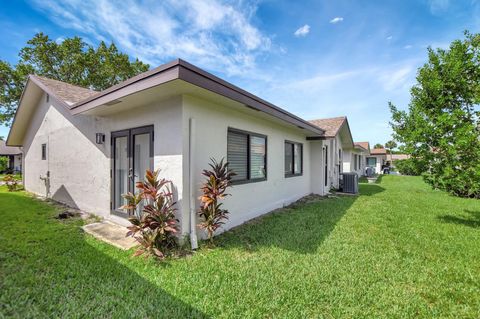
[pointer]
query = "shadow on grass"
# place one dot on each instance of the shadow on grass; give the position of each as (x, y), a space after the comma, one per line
(300, 229)
(49, 270)
(470, 219)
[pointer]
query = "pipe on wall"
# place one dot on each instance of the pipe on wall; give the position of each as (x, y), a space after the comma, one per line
(191, 176)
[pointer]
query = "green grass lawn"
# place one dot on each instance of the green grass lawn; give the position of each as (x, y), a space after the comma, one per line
(398, 250)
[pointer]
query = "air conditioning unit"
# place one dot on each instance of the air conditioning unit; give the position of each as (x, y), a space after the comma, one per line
(349, 183)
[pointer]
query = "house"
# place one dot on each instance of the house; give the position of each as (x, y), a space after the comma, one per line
(395, 157)
(14, 155)
(86, 148)
(338, 141)
(376, 159)
(358, 158)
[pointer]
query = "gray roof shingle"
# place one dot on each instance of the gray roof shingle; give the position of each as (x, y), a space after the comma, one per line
(9, 150)
(68, 93)
(331, 125)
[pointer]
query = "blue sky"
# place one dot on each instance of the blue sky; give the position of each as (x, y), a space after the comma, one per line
(314, 58)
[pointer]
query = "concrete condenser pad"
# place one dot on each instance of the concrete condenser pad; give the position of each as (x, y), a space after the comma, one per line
(111, 233)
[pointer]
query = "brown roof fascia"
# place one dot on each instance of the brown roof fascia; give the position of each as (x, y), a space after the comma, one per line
(196, 76)
(180, 69)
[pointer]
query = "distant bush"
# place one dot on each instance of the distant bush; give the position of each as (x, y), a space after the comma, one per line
(12, 183)
(410, 166)
(3, 163)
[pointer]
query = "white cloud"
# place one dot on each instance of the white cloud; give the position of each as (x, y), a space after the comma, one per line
(408, 46)
(303, 31)
(336, 20)
(438, 6)
(59, 40)
(400, 78)
(389, 37)
(321, 81)
(216, 35)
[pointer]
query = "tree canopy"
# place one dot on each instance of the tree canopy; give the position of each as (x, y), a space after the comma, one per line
(72, 61)
(441, 128)
(378, 145)
(390, 145)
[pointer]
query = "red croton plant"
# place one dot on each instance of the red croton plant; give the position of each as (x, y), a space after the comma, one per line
(156, 226)
(218, 179)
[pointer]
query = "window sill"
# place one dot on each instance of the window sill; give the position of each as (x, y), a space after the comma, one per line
(248, 181)
(293, 175)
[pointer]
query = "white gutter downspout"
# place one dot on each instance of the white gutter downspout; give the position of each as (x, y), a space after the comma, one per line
(191, 174)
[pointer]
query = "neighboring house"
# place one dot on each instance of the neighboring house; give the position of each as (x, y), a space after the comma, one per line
(86, 148)
(395, 157)
(376, 159)
(392, 158)
(337, 141)
(14, 155)
(358, 158)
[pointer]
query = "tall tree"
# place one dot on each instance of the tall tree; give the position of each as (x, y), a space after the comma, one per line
(72, 61)
(390, 145)
(441, 128)
(378, 145)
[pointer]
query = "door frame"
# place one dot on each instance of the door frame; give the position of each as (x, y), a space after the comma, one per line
(130, 134)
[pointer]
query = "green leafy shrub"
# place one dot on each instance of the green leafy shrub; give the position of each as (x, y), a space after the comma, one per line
(218, 179)
(4, 163)
(441, 126)
(11, 182)
(156, 227)
(410, 166)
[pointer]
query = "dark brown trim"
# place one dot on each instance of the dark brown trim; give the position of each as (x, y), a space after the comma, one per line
(130, 135)
(249, 134)
(317, 138)
(133, 80)
(187, 72)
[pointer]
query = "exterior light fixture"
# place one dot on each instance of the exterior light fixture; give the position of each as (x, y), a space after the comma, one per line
(100, 138)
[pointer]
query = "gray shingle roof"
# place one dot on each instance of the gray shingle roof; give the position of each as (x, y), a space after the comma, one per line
(69, 93)
(331, 125)
(9, 150)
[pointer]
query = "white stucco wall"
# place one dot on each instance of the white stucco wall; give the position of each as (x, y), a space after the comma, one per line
(349, 162)
(251, 199)
(79, 168)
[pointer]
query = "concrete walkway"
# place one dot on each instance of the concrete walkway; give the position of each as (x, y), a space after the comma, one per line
(111, 233)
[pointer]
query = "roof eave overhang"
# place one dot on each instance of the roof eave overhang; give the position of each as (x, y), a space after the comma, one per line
(181, 70)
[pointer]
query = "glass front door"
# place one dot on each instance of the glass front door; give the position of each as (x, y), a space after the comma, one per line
(132, 154)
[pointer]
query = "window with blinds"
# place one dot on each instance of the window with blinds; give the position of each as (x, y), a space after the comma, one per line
(44, 152)
(247, 155)
(293, 159)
